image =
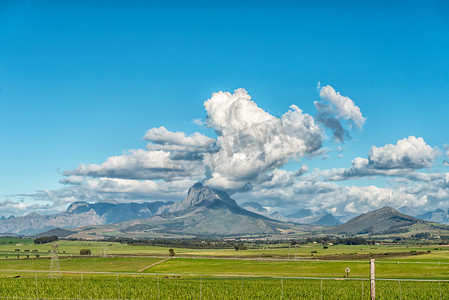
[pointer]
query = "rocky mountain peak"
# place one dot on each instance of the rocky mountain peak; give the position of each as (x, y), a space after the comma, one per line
(200, 195)
(78, 207)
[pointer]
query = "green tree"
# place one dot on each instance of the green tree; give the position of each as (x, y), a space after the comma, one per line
(85, 252)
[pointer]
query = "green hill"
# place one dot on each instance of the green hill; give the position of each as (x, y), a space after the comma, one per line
(386, 220)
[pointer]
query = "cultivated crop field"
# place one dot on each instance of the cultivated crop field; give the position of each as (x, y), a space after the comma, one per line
(172, 287)
(264, 272)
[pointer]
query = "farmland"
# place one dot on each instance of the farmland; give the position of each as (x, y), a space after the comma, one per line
(266, 271)
(161, 287)
(282, 250)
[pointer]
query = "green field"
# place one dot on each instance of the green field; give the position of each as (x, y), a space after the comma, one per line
(167, 287)
(331, 269)
(267, 271)
(68, 248)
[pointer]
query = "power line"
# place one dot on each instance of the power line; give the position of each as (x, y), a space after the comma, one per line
(55, 269)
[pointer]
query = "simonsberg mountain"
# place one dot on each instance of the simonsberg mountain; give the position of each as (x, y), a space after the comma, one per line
(203, 212)
(82, 214)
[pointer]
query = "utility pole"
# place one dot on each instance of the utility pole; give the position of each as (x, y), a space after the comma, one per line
(55, 270)
(104, 253)
(372, 279)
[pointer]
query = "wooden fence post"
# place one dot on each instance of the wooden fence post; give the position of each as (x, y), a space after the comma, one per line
(372, 279)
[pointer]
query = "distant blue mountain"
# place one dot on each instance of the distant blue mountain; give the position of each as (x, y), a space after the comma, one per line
(327, 220)
(82, 214)
(302, 213)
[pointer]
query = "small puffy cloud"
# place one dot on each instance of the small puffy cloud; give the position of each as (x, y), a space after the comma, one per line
(400, 160)
(408, 153)
(446, 148)
(251, 142)
(335, 107)
(163, 139)
(198, 122)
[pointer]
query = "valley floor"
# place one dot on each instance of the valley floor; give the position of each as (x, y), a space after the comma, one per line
(143, 272)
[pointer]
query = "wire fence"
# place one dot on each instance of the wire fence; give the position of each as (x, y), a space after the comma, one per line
(20, 284)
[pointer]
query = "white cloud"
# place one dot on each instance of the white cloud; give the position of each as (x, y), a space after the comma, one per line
(446, 147)
(147, 188)
(252, 143)
(250, 148)
(400, 160)
(169, 156)
(335, 107)
(9, 207)
(408, 153)
(248, 154)
(343, 107)
(198, 122)
(309, 191)
(141, 164)
(163, 139)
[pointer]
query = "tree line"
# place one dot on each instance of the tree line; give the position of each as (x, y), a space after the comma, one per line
(45, 239)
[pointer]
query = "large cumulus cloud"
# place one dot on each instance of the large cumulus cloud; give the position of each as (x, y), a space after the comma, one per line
(252, 143)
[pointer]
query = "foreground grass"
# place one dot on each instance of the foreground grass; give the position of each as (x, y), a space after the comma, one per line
(152, 287)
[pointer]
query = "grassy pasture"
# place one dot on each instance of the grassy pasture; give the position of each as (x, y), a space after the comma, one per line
(201, 266)
(277, 251)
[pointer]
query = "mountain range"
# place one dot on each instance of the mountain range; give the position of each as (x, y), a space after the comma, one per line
(82, 214)
(203, 212)
(303, 216)
(438, 216)
(206, 212)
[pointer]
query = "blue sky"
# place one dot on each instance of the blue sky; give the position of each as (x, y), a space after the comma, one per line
(83, 81)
